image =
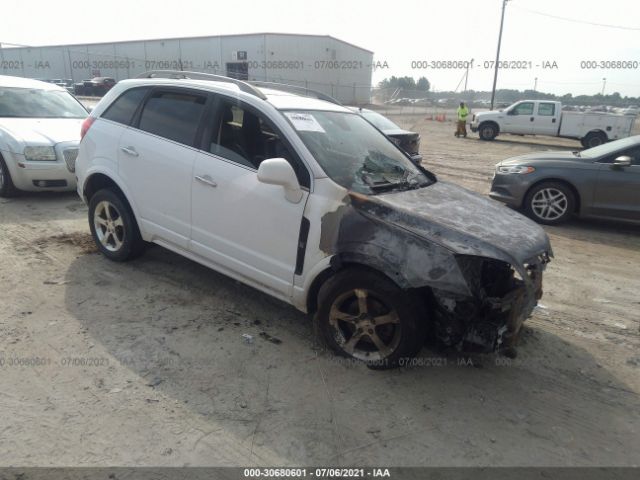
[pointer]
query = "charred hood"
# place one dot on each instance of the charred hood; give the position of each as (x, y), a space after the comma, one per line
(459, 220)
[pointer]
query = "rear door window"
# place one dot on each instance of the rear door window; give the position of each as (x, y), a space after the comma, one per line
(123, 109)
(547, 109)
(173, 115)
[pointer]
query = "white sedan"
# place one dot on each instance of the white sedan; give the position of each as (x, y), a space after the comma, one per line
(39, 135)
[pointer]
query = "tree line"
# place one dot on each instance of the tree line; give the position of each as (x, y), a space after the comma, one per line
(412, 88)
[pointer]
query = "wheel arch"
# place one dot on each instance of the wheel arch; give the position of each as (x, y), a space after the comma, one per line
(596, 131)
(571, 186)
(340, 263)
(10, 189)
(100, 180)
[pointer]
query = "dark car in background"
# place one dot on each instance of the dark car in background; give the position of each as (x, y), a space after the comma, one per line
(550, 187)
(406, 140)
(96, 87)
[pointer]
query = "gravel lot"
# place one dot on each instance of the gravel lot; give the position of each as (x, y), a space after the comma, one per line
(144, 363)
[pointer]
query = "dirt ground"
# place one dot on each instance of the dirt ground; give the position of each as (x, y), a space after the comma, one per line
(144, 363)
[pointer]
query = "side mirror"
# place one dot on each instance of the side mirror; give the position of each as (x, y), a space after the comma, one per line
(512, 112)
(277, 171)
(623, 161)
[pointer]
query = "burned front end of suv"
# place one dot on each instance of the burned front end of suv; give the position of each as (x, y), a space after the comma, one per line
(488, 318)
(477, 265)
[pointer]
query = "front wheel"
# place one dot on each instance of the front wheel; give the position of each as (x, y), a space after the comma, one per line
(7, 188)
(550, 203)
(488, 131)
(364, 315)
(113, 226)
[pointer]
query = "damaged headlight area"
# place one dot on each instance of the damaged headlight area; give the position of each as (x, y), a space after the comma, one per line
(501, 298)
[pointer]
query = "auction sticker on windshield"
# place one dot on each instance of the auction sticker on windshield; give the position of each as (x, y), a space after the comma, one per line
(304, 122)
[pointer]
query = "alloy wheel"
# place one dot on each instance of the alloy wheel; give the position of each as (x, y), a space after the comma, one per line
(364, 326)
(109, 226)
(549, 204)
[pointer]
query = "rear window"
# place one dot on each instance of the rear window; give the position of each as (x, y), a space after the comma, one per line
(125, 106)
(379, 121)
(173, 115)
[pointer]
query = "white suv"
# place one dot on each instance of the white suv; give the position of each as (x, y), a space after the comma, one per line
(39, 136)
(305, 200)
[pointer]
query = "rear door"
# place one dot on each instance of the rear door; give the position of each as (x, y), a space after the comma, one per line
(545, 121)
(618, 188)
(156, 157)
(520, 119)
(247, 228)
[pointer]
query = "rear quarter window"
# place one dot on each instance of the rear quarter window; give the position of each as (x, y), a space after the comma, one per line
(123, 108)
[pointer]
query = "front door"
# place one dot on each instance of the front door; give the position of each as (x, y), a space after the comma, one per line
(617, 191)
(520, 119)
(247, 228)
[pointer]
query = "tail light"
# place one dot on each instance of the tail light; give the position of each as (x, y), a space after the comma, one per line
(86, 125)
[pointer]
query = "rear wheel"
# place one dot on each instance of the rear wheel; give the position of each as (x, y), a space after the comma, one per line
(7, 189)
(488, 131)
(113, 226)
(593, 139)
(364, 315)
(550, 203)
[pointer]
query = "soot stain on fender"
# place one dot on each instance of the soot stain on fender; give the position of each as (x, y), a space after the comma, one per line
(465, 248)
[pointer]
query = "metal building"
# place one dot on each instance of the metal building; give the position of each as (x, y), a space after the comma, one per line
(319, 62)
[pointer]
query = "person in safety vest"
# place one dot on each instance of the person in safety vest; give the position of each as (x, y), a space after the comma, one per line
(463, 113)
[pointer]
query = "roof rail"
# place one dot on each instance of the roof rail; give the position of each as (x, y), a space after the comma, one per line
(296, 89)
(243, 86)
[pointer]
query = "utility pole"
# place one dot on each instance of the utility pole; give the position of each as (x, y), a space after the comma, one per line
(466, 77)
(604, 83)
(495, 74)
(535, 85)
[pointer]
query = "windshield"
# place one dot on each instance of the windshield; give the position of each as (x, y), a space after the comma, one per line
(381, 122)
(354, 154)
(37, 103)
(612, 147)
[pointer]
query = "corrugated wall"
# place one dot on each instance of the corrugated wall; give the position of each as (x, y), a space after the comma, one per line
(321, 63)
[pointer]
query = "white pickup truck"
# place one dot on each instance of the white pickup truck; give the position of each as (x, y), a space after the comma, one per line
(542, 117)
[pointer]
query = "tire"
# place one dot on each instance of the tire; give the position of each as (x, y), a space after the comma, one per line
(488, 131)
(351, 306)
(593, 139)
(7, 189)
(114, 227)
(550, 203)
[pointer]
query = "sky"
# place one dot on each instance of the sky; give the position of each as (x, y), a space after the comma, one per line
(398, 32)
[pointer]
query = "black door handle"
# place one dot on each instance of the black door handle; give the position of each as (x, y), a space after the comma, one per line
(553, 120)
(531, 119)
